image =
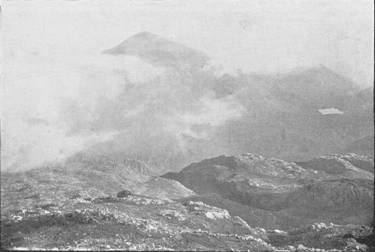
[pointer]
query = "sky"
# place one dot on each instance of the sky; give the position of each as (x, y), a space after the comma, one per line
(51, 53)
(250, 35)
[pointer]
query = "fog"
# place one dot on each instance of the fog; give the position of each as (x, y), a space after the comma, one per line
(62, 95)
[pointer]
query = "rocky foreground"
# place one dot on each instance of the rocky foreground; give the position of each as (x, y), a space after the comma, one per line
(144, 223)
(245, 203)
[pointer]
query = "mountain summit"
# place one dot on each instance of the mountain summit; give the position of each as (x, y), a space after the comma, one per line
(159, 51)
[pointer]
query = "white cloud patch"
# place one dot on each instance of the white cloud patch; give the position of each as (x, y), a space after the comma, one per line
(26, 146)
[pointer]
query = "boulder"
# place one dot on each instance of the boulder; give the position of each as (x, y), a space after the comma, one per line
(124, 194)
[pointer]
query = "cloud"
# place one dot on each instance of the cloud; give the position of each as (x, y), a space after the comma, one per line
(172, 103)
(26, 146)
(73, 102)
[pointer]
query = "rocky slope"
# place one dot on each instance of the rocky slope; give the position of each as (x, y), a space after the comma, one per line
(143, 223)
(325, 189)
(260, 204)
(350, 165)
(132, 223)
(86, 177)
(364, 146)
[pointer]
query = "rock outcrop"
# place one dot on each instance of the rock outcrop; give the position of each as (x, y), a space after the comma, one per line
(335, 187)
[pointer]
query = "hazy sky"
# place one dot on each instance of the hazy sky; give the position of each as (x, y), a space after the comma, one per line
(50, 48)
(251, 35)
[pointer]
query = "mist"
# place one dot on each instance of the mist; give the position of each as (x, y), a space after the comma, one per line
(63, 95)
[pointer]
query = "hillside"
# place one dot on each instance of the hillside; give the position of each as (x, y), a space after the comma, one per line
(364, 146)
(84, 177)
(259, 204)
(325, 189)
(141, 223)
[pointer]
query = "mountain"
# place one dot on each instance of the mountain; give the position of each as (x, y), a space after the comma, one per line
(159, 51)
(290, 129)
(278, 115)
(363, 146)
(282, 117)
(290, 194)
(317, 87)
(364, 100)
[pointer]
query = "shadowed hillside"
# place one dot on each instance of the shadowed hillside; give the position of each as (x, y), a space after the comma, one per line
(336, 188)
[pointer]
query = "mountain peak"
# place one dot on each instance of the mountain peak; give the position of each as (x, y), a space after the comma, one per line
(145, 35)
(159, 51)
